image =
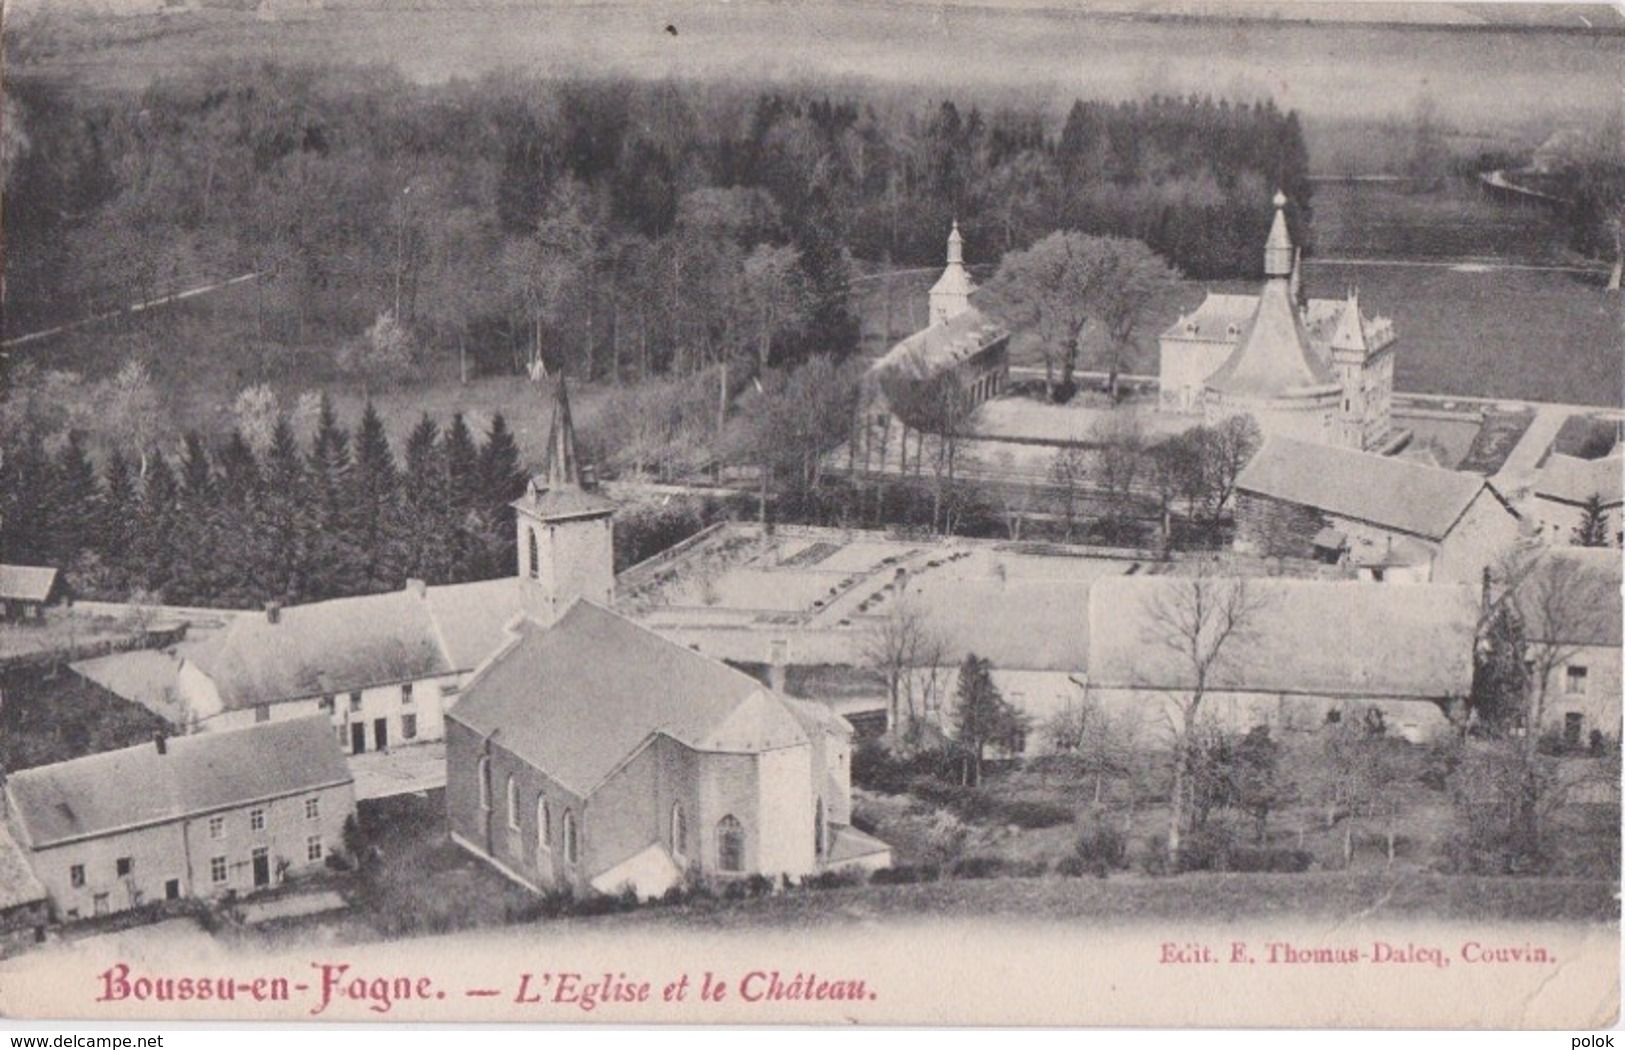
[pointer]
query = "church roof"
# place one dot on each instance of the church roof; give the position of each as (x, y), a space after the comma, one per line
(1395, 494)
(954, 281)
(1274, 355)
(138, 786)
(577, 699)
(1329, 637)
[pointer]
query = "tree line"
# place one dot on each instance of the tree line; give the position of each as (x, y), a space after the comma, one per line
(607, 228)
(273, 515)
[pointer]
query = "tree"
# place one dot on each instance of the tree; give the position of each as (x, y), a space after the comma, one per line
(898, 647)
(1592, 531)
(1065, 281)
(384, 355)
(129, 408)
(775, 296)
(1122, 441)
(983, 718)
(1195, 626)
(256, 411)
(1069, 476)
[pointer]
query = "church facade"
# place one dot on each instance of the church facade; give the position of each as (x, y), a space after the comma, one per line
(1322, 372)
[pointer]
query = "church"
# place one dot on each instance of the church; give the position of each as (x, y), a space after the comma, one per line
(590, 753)
(1321, 372)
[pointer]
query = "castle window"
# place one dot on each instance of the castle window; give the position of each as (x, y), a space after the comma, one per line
(572, 840)
(535, 555)
(730, 844)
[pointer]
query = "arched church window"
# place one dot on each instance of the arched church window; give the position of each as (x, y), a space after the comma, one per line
(513, 803)
(485, 783)
(572, 839)
(730, 844)
(534, 554)
(820, 837)
(544, 826)
(679, 830)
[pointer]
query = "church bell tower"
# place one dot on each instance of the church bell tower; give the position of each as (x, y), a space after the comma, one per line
(566, 539)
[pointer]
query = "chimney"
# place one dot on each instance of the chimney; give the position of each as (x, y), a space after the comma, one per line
(778, 656)
(161, 741)
(273, 612)
(418, 587)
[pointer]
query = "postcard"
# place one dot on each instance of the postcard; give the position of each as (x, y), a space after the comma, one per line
(729, 513)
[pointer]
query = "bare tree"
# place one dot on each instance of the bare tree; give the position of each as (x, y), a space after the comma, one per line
(907, 654)
(1197, 624)
(1068, 474)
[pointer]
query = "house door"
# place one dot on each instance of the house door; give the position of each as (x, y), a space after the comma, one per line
(380, 733)
(262, 868)
(172, 890)
(358, 737)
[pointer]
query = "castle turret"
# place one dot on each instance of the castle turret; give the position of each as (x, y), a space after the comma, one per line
(950, 296)
(566, 543)
(1278, 256)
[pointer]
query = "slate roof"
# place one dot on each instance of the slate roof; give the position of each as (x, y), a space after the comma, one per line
(1569, 479)
(1274, 355)
(1018, 624)
(473, 617)
(26, 583)
(1396, 494)
(942, 346)
(18, 885)
(1334, 638)
(577, 699)
(1219, 319)
(324, 648)
(202, 773)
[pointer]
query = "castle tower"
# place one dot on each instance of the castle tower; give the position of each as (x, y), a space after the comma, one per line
(1279, 258)
(566, 542)
(950, 296)
(1349, 353)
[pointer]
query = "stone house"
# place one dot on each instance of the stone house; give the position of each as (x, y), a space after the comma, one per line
(194, 816)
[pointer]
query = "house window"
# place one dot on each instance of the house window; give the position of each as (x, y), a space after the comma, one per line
(76, 875)
(172, 890)
(313, 848)
(485, 783)
(217, 870)
(256, 820)
(313, 808)
(409, 727)
(513, 803)
(679, 831)
(262, 713)
(535, 554)
(1574, 680)
(406, 694)
(572, 841)
(355, 700)
(327, 704)
(730, 844)
(340, 735)
(100, 904)
(124, 867)
(217, 827)
(544, 825)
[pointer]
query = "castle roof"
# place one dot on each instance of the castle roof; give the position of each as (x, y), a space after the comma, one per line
(577, 699)
(140, 786)
(1274, 355)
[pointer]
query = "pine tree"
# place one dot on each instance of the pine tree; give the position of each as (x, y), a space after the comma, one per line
(116, 524)
(333, 556)
(378, 523)
(72, 501)
(501, 482)
(156, 552)
(430, 525)
(982, 717)
(239, 539)
(281, 559)
(1592, 531)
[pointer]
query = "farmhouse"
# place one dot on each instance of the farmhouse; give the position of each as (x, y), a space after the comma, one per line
(24, 907)
(1306, 650)
(1322, 373)
(1390, 518)
(1573, 612)
(25, 591)
(1565, 484)
(195, 816)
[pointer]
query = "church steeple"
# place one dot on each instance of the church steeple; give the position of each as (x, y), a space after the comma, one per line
(559, 466)
(566, 548)
(1278, 254)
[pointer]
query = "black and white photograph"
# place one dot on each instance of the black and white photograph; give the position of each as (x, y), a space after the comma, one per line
(737, 512)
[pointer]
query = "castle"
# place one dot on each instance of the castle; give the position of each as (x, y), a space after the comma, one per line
(1321, 372)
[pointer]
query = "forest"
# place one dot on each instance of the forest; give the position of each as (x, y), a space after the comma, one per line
(608, 229)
